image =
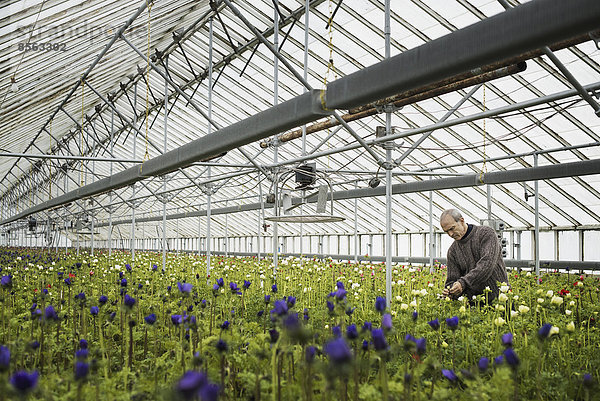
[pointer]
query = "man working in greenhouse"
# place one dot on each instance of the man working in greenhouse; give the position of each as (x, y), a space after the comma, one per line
(474, 258)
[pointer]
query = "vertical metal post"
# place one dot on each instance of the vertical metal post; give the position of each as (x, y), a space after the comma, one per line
(209, 125)
(276, 213)
(56, 235)
(356, 250)
(226, 232)
(93, 180)
(164, 219)
(261, 213)
(177, 239)
(134, 137)
(537, 220)
(305, 75)
(388, 176)
(275, 153)
(518, 245)
(208, 225)
(581, 245)
(431, 239)
(110, 207)
(556, 252)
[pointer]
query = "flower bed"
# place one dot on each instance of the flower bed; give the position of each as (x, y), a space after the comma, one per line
(94, 327)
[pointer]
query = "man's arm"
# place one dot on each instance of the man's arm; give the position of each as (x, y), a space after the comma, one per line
(452, 287)
(478, 277)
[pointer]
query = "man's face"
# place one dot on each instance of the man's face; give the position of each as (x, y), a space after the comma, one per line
(455, 229)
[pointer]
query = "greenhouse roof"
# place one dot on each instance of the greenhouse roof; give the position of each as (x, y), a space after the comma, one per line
(79, 103)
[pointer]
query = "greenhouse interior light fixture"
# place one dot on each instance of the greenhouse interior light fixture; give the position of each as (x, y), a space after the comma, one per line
(320, 216)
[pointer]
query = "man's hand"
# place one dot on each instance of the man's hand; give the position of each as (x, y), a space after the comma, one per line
(454, 291)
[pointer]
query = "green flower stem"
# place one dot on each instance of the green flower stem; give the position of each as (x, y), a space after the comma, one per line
(212, 312)
(453, 346)
(355, 377)
(41, 366)
(154, 367)
(274, 375)
(79, 390)
(223, 372)
(182, 347)
(516, 381)
(130, 359)
(539, 369)
(83, 322)
(104, 355)
(383, 379)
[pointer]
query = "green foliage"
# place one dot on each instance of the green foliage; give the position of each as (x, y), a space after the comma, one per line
(147, 362)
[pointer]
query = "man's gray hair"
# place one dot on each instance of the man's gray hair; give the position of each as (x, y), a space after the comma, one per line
(454, 213)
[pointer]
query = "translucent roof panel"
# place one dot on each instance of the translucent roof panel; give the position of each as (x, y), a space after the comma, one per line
(103, 120)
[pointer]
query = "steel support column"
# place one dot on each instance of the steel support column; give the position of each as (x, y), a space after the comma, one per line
(537, 221)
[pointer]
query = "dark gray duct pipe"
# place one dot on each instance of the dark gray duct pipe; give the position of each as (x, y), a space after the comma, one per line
(582, 168)
(508, 34)
(297, 111)
(494, 39)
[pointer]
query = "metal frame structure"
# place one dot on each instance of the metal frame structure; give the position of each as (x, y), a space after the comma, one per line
(204, 69)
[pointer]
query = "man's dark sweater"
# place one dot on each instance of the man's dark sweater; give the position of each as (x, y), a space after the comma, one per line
(476, 262)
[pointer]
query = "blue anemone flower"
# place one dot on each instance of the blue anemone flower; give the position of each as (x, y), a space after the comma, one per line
(150, 319)
(352, 332)
(434, 324)
(452, 322)
(221, 346)
(450, 375)
(386, 321)
(280, 307)
(507, 339)
(511, 357)
(544, 331)
(421, 344)
(4, 358)
(81, 370)
(184, 288)
(380, 304)
(338, 351)
(129, 301)
(379, 341)
(483, 364)
(191, 383)
(274, 335)
(50, 313)
(23, 381)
